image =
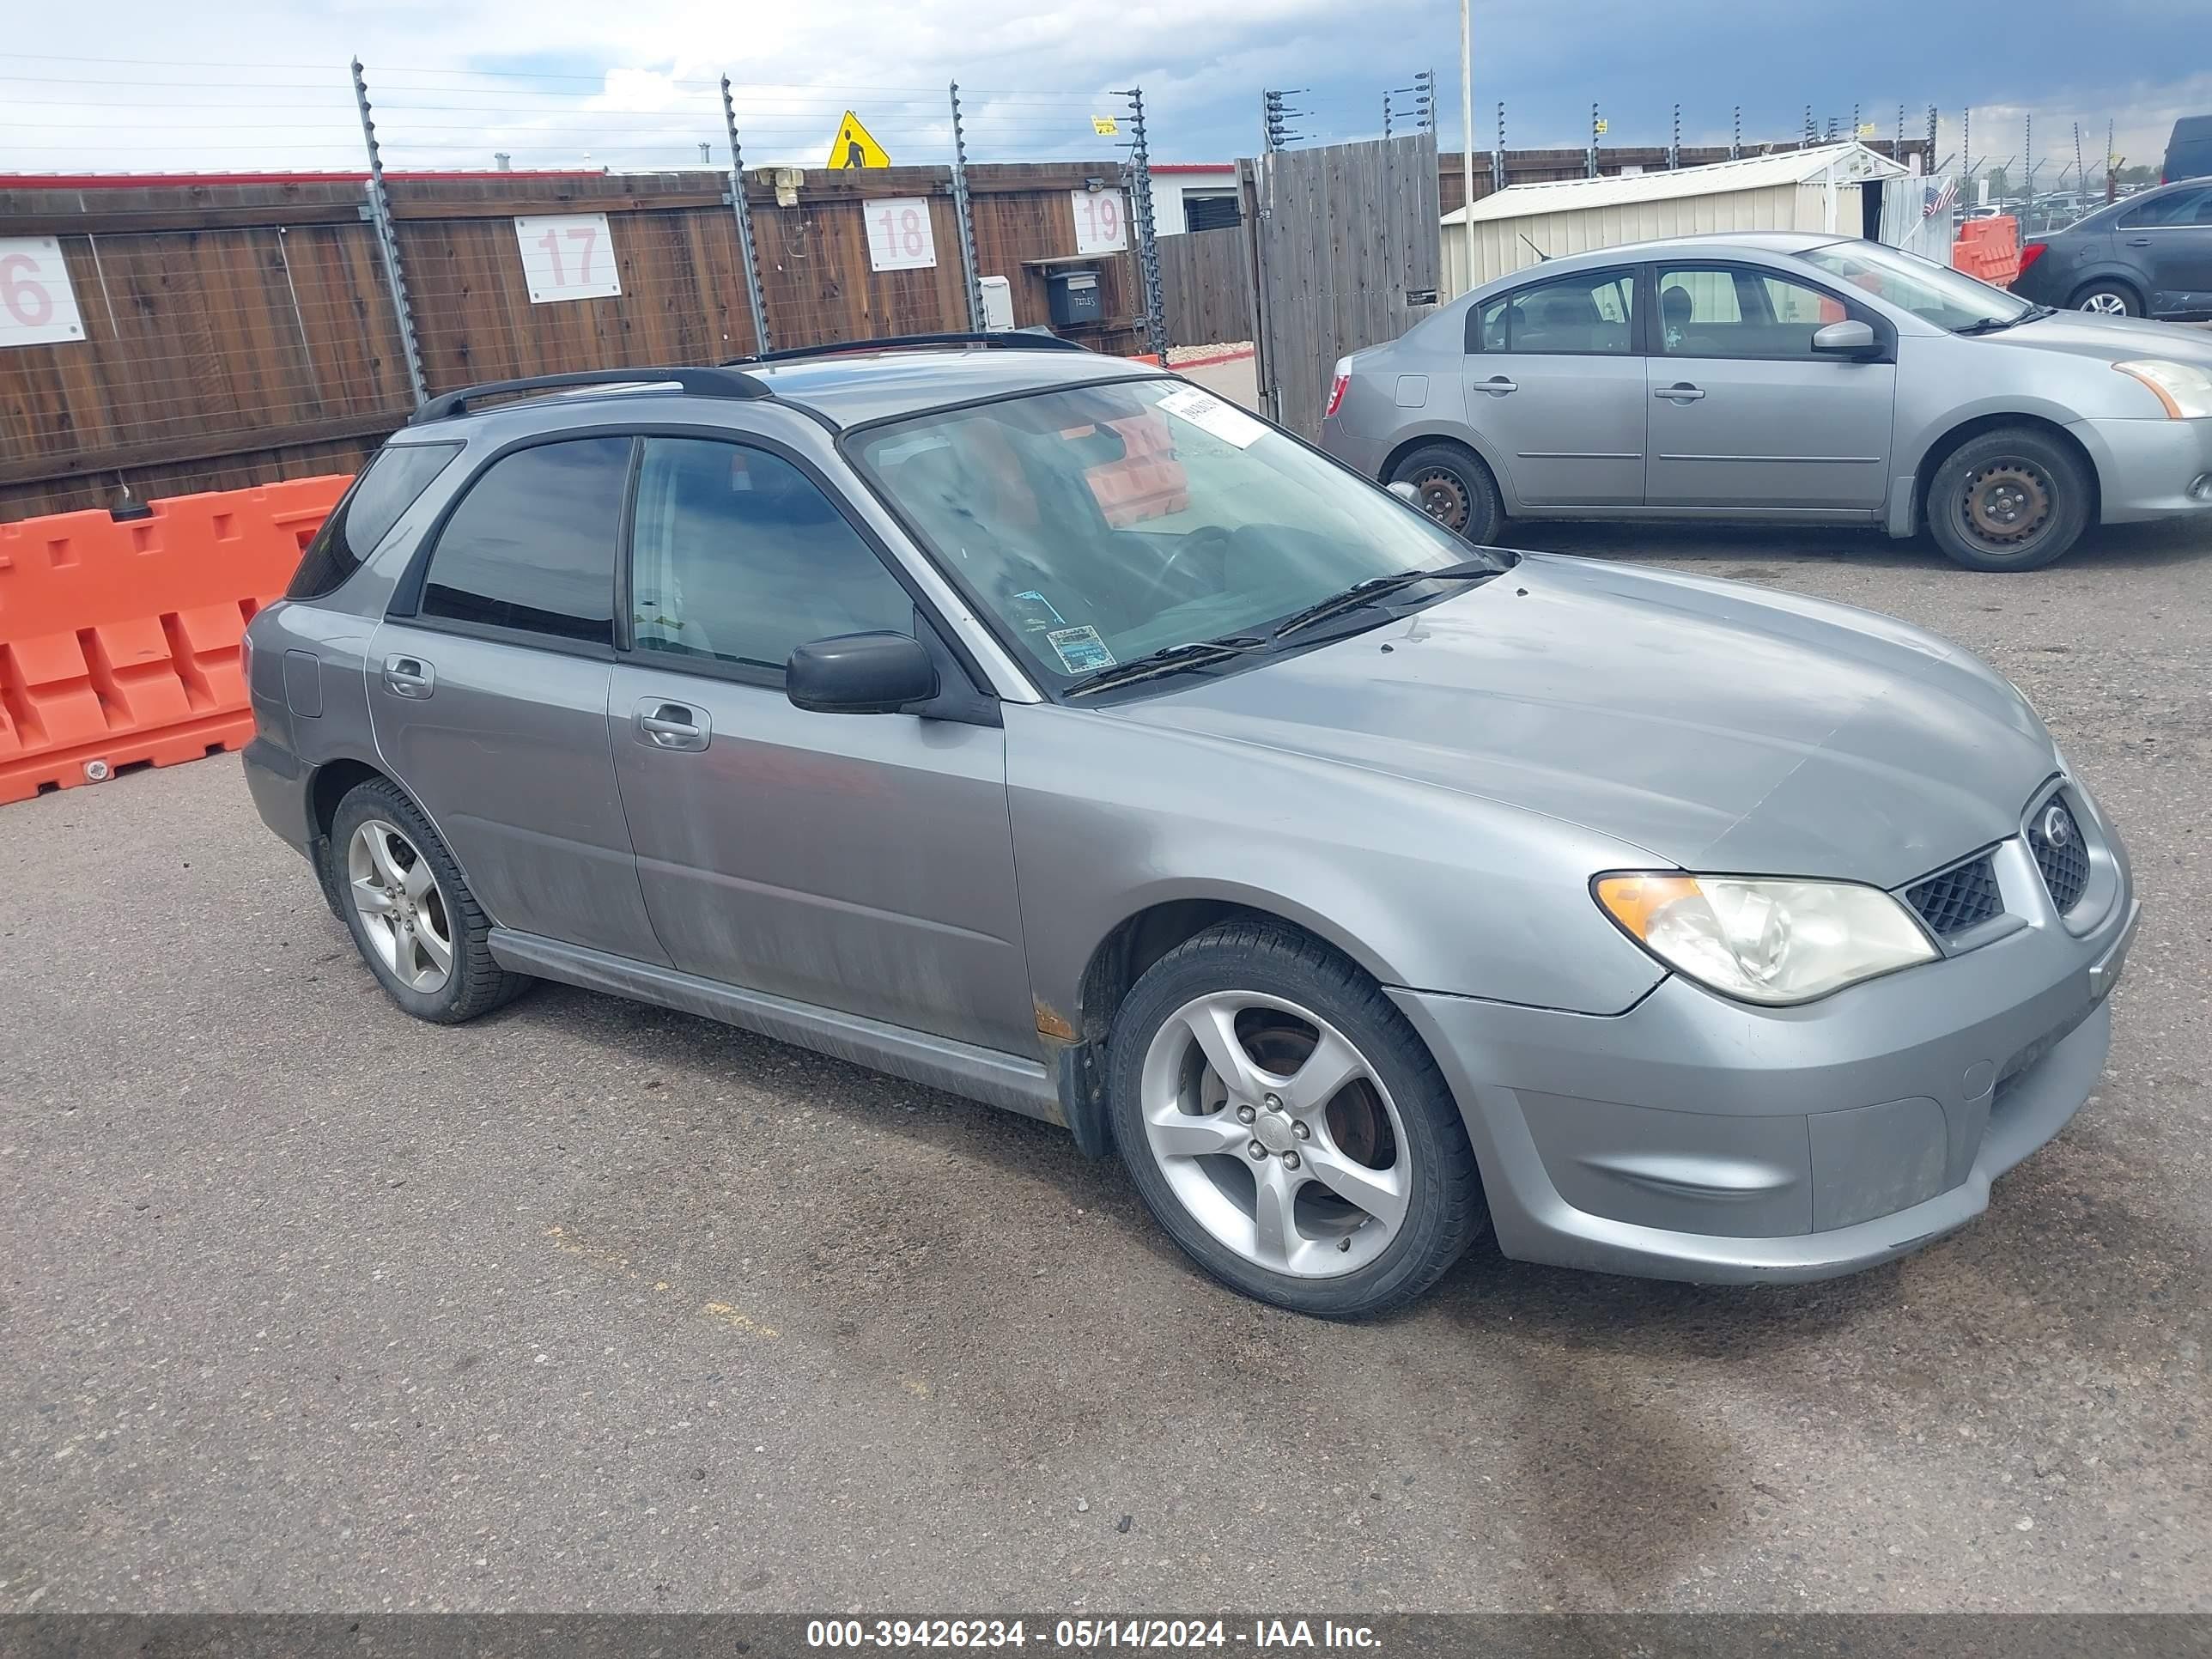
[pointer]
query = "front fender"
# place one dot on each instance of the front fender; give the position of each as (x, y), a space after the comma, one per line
(1423, 887)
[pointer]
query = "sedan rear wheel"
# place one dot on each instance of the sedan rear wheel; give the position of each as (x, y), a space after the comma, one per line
(1285, 1126)
(2105, 299)
(1452, 486)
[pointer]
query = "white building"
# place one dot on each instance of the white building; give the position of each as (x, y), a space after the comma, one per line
(1194, 196)
(1827, 187)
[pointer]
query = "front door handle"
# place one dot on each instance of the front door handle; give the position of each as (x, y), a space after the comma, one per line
(2138, 241)
(1497, 386)
(409, 676)
(673, 725)
(1681, 392)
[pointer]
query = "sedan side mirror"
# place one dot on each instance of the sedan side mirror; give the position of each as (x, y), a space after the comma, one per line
(1846, 339)
(860, 674)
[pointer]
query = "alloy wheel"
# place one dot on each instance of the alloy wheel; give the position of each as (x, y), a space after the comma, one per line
(403, 910)
(2005, 503)
(1276, 1134)
(2106, 303)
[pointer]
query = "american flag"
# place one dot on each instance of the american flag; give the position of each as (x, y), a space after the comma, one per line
(1938, 197)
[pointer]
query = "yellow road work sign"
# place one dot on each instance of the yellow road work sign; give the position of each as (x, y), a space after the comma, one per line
(854, 146)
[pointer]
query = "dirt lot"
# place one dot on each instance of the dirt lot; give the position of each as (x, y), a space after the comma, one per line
(307, 1306)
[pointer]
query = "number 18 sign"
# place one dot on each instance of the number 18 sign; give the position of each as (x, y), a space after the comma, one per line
(568, 256)
(899, 236)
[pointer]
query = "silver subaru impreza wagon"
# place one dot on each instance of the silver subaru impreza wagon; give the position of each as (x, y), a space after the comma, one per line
(1034, 725)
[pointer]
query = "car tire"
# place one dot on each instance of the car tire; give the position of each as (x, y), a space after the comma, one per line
(1452, 484)
(2107, 299)
(2014, 499)
(411, 913)
(1276, 1227)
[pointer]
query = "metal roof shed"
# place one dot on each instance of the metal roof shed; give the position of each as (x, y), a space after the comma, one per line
(1820, 188)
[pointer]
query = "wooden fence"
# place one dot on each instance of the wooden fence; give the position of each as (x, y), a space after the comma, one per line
(1205, 285)
(244, 333)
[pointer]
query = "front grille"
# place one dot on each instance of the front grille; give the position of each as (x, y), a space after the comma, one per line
(1957, 899)
(2055, 838)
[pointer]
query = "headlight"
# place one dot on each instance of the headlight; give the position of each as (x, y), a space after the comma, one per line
(2185, 389)
(1762, 940)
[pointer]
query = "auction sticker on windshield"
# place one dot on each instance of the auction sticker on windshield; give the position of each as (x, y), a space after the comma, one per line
(1209, 413)
(1080, 649)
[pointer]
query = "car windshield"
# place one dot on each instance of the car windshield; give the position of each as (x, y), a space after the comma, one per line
(1101, 524)
(1935, 293)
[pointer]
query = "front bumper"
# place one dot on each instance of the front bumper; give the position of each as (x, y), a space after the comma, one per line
(1694, 1137)
(2145, 469)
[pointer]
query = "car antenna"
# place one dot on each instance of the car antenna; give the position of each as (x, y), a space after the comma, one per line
(1541, 257)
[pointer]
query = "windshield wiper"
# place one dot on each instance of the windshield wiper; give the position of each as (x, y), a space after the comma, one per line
(1992, 324)
(1366, 592)
(1167, 659)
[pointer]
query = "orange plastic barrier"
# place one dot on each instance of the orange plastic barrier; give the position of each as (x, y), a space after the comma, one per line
(1989, 249)
(119, 640)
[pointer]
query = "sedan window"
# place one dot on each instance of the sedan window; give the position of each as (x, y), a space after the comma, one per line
(1583, 315)
(1935, 293)
(2182, 207)
(1736, 312)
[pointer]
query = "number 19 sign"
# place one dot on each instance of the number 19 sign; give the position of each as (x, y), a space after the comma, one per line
(568, 256)
(1101, 221)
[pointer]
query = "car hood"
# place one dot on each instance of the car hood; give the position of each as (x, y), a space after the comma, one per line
(2116, 339)
(1714, 726)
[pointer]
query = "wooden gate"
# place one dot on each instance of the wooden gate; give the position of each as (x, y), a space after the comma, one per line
(1345, 254)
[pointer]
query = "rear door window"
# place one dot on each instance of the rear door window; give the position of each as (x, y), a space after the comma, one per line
(393, 481)
(531, 546)
(1590, 314)
(2183, 207)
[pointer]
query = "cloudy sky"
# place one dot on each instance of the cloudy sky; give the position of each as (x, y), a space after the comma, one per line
(255, 83)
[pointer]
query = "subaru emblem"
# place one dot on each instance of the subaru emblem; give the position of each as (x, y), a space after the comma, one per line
(2058, 825)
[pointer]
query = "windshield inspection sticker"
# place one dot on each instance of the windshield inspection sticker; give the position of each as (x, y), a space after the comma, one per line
(1209, 413)
(1080, 649)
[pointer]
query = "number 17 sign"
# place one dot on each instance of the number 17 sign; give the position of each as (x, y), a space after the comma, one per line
(567, 256)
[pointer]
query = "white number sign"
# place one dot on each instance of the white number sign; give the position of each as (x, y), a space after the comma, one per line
(37, 305)
(570, 255)
(1101, 221)
(899, 237)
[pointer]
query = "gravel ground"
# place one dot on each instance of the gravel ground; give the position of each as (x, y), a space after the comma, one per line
(588, 1305)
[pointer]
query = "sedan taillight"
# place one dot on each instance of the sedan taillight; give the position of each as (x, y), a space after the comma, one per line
(1337, 386)
(2031, 253)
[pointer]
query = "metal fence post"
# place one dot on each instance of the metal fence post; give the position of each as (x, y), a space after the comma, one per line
(380, 214)
(1148, 243)
(965, 213)
(1735, 135)
(755, 301)
(1674, 147)
(1591, 170)
(1498, 155)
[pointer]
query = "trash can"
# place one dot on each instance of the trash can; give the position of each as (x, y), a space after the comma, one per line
(1074, 297)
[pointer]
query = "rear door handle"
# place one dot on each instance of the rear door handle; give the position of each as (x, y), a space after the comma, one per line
(675, 726)
(409, 676)
(1497, 386)
(2138, 241)
(1682, 394)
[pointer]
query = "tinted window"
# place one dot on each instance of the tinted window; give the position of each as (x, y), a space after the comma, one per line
(2183, 207)
(532, 543)
(1582, 315)
(1736, 313)
(738, 555)
(393, 481)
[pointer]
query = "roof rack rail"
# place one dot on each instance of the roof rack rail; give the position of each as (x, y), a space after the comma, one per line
(1018, 339)
(723, 382)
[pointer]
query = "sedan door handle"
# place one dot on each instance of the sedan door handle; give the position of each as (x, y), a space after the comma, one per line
(675, 726)
(1683, 392)
(409, 676)
(1497, 386)
(2138, 241)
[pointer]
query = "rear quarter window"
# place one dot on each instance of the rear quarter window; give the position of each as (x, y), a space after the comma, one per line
(393, 481)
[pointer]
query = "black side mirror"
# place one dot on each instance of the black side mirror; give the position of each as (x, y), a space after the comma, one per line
(1846, 339)
(860, 674)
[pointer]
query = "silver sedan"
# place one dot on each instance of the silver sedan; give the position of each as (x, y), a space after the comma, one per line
(1787, 378)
